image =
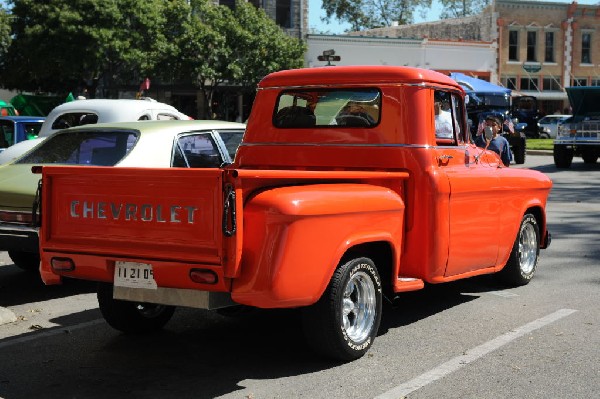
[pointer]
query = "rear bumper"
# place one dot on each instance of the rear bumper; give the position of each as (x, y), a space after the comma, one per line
(174, 284)
(18, 238)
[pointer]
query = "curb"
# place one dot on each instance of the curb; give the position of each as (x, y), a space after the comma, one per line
(7, 316)
(539, 152)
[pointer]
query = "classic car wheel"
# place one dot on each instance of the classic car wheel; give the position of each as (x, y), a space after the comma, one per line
(132, 317)
(589, 155)
(29, 261)
(563, 156)
(521, 265)
(344, 322)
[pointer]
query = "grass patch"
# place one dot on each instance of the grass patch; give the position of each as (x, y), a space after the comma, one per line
(540, 144)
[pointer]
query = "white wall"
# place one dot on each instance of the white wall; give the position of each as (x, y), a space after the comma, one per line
(457, 56)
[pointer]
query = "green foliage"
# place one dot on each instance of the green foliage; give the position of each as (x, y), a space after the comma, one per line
(367, 14)
(4, 31)
(217, 45)
(62, 45)
(462, 8)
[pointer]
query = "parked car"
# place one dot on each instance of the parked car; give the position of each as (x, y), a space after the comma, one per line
(162, 144)
(548, 125)
(82, 112)
(14, 129)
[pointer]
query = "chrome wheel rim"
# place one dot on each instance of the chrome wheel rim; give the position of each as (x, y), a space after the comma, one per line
(359, 307)
(527, 249)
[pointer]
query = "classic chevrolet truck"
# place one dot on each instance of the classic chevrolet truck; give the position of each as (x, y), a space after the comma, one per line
(341, 196)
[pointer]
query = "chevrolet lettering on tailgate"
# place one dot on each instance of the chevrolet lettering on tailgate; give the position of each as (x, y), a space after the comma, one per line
(132, 212)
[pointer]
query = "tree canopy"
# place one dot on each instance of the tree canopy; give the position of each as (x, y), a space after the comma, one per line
(66, 46)
(462, 8)
(369, 14)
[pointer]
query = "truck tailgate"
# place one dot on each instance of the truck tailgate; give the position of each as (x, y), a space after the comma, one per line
(160, 214)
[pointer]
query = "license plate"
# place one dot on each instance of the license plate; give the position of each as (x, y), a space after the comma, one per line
(134, 275)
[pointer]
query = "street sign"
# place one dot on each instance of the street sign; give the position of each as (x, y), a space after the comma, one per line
(329, 55)
(329, 58)
(532, 67)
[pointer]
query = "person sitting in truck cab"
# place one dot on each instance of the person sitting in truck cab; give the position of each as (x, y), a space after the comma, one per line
(497, 143)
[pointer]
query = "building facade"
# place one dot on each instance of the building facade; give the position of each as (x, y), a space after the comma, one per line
(540, 47)
(545, 47)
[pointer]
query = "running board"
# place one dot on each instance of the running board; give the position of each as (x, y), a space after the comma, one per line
(404, 284)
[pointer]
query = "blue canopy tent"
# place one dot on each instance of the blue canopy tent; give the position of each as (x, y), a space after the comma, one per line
(472, 84)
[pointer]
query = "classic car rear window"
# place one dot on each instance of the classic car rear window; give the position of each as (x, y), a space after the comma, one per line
(99, 148)
(356, 108)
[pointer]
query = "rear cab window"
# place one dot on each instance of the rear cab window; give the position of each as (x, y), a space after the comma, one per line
(355, 108)
(98, 148)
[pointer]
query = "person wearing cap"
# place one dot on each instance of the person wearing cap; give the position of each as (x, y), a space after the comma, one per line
(497, 143)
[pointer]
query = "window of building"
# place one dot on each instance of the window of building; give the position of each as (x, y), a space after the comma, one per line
(595, 82)
(551, 84)
(283, 13)
(513, 45)
(531, 45)
(510, 82)
(256, 3)
(586, 48)
(549, 49)
(579, 82)
(529, 83)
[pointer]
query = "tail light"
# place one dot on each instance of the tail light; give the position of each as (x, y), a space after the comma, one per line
(203, 276)
(62, 264)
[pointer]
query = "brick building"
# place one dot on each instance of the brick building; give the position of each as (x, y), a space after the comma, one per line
(541, 47)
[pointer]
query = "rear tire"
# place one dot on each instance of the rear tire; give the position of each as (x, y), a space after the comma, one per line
(343, 324)
(589, 156)
(563, 156)
(132, 317)
(28, 261)
(521, 265)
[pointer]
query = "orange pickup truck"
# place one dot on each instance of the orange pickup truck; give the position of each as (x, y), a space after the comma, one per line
(343, 194)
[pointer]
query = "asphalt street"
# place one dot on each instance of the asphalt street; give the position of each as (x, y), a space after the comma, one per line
(469, 339)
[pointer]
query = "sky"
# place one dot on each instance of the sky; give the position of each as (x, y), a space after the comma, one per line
(315, 13)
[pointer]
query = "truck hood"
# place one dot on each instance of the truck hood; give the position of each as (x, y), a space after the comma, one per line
(17, 187)
(584, 100)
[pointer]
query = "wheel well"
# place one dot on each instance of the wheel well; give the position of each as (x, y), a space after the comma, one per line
(380, 252)
(539, 217)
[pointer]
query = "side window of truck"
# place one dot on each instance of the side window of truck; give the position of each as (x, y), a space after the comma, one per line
(448, 118)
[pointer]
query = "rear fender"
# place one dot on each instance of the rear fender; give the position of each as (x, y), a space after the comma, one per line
(294, 238)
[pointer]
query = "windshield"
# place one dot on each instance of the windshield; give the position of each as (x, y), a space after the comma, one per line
(100, 148)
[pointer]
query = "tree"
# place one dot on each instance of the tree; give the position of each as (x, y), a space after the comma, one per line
(5, 38)
(462, 8)
(73, 45)
(216, 45)
(368, 14)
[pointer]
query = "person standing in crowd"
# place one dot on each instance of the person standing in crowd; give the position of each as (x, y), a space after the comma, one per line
(497, 143)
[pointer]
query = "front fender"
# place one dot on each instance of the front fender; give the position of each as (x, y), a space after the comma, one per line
(295, 236)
